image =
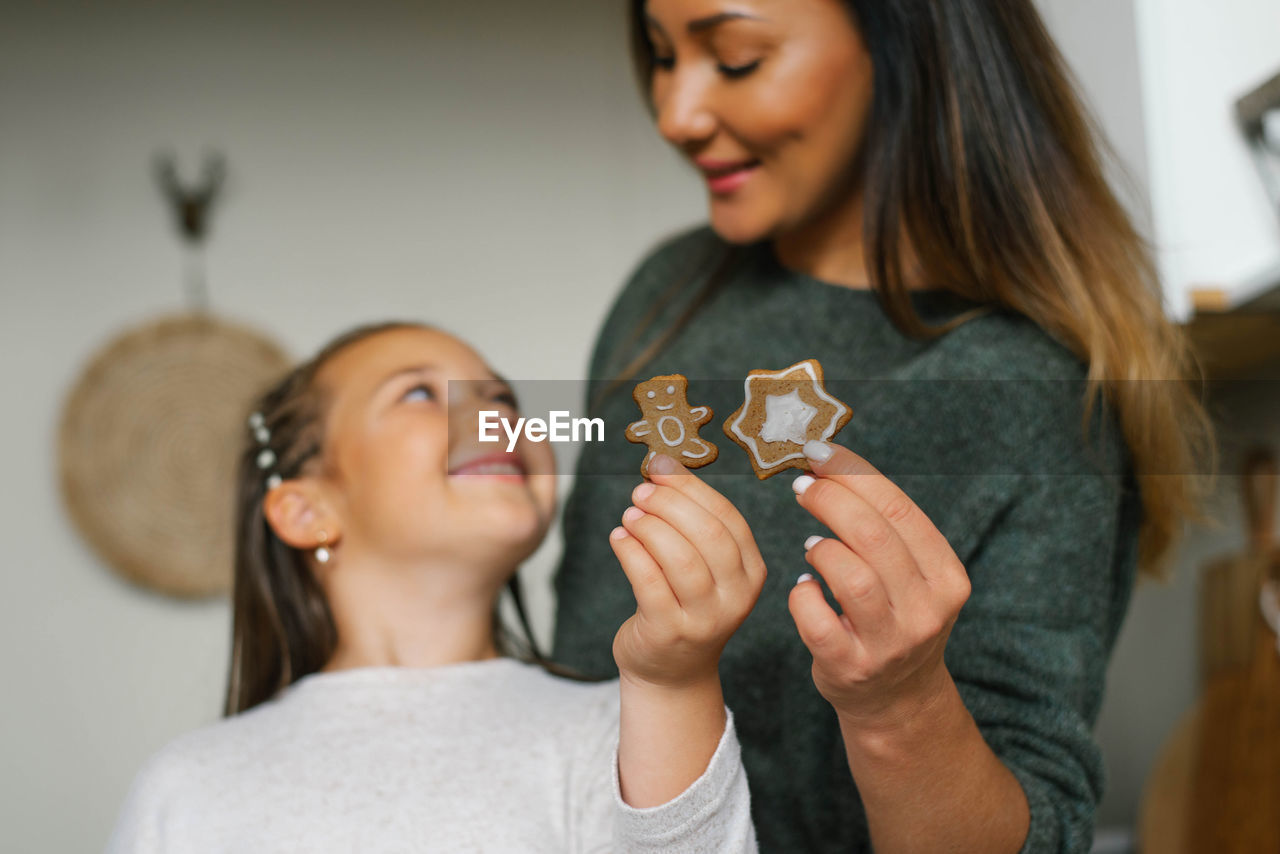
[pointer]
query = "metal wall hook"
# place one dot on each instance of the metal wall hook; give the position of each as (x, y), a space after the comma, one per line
(192, 205)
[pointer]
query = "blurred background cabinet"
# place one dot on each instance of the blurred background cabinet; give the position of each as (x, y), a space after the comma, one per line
(1162, 77)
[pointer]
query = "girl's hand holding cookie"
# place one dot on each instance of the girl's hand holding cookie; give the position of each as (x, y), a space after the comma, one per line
(695, 571)
(898, 582)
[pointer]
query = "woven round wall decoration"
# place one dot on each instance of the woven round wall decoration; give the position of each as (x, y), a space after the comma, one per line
(148, 445)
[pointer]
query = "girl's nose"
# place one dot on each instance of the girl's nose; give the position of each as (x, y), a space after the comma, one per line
(684, 114)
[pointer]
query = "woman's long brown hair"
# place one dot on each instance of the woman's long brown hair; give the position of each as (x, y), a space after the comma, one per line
(282, 628)
(981, 158)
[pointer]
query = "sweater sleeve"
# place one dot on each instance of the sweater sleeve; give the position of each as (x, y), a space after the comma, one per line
(1029, 651)
(713, 814)
(140, 826)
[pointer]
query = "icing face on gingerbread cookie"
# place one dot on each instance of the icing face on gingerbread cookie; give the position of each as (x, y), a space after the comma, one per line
(783, 410)
(668, 425)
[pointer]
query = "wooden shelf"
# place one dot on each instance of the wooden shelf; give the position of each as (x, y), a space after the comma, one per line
(1260, 293)
(1232, 345)
(1236, 332)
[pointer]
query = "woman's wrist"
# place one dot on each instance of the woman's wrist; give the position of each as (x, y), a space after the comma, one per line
(908, 724)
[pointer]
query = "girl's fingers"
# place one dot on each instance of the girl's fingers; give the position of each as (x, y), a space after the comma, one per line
(926, 544)
(665, 471)
(648, 583)
(859, 590)
(679, 562)
(819, 626)
(703, 531)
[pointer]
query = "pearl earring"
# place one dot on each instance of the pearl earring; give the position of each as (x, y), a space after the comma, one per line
(322, 551)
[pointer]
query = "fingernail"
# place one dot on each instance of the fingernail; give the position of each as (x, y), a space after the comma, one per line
(643, 491)
(632, 514)
(662, 464)
(817, 451)
(804, 577)
(802, 483)
(618, 533)
(812, 541)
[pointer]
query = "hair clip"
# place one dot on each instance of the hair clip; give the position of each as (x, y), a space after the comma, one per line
(266, 456)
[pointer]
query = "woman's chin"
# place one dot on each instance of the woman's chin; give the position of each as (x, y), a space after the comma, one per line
(737, 226)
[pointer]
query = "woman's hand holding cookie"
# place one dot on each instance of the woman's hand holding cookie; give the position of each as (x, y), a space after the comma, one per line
(696, 573)
(898, 582)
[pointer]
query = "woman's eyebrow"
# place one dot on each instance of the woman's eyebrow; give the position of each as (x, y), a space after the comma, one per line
(701, 25)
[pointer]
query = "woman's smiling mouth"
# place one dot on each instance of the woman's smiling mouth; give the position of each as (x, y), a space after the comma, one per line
(725, 176)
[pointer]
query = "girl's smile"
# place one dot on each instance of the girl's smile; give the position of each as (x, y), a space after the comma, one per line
(495, 466)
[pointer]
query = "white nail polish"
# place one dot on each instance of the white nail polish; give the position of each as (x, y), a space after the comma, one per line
(803, 578)
(812, 541)
(802, 483)
(817, 451)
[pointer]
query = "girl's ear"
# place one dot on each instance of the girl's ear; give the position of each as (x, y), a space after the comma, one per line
(299, 514)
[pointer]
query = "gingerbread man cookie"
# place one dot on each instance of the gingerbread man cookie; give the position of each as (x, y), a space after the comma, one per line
(783, 410)
(669, 425)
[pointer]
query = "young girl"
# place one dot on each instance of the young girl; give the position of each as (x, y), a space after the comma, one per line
(369, 705)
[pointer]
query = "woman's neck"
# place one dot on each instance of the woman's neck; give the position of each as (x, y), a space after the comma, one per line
(399, 618)
(830, 248)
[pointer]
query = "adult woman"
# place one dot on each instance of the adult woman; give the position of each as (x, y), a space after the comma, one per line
(908, 191)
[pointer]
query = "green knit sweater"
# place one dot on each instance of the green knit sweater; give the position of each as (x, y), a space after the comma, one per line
(981, 427)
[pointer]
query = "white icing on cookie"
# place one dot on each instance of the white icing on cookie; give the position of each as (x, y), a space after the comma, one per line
(671, 441)
(787, 418)
(706, 449)
(838, 411)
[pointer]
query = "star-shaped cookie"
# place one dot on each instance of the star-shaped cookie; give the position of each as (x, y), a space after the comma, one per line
(783, 410)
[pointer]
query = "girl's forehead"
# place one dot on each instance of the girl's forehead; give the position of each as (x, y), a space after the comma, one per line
(371, 360)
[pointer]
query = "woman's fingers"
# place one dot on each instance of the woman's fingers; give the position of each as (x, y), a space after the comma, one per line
(929, 549)
(865, 532)
(859, 590)
(820, 627)
(679, 562)
(648, 582)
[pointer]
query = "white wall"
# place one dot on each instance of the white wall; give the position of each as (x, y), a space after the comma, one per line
(395, 159)
(1163, 77)
(1099, 40)
(1214, 223)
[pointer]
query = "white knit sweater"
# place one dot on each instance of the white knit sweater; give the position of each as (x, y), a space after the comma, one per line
(491, 755)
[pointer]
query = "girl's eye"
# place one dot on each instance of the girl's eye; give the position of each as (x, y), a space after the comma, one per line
(507, 397)
(733, 72)
(665, 63)
(421, 391)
